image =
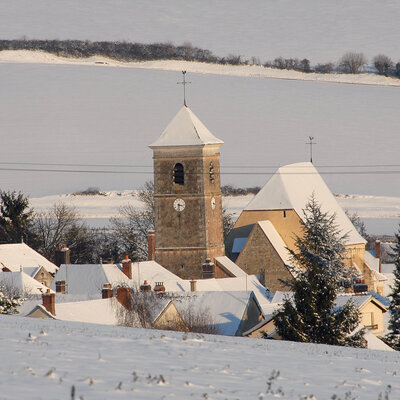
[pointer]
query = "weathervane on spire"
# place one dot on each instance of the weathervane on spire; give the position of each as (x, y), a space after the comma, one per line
(184, 83)
(311, 145)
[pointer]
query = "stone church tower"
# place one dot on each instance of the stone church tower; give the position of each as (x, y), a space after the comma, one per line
(187, 190)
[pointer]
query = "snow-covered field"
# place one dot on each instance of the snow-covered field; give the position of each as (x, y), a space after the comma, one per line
(254, 71)
(44, 359)
(319, 30)
(381, 214)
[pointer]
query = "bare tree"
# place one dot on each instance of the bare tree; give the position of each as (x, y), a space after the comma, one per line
(383, 64)
(352, 63)
(133, 224)
(53, 226)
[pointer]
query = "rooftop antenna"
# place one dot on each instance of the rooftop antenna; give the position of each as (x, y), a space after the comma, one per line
(311, 145)
(184, 83)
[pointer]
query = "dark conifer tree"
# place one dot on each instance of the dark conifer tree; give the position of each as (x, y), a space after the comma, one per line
(15, 218)
(393, 337)
(311, 314)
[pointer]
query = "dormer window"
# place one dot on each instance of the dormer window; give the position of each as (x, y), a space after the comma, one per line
(179, 174)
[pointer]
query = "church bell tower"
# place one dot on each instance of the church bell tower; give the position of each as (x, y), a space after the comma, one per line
(187, 191)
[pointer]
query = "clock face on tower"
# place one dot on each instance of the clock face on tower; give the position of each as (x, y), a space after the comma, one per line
(179, 205)
(213, 203)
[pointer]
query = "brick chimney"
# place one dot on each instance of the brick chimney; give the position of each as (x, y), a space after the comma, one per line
(107, 292)
(159, 287)
(193, 285)
(208, 269)
(127, 266)
(146, 287)
(49, 302)
(151, 245)
(378, 253)
(62, 255)
(60, 287)
(124, 297)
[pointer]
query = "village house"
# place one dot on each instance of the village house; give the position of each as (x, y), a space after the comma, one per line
(20, 257)
(270, 222)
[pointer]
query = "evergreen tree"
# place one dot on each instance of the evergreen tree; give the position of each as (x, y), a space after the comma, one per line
(311, 315)
(9, 303)
(15, 218)
(393, 338)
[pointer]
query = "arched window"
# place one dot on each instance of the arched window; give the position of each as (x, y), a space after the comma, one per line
(179, 174)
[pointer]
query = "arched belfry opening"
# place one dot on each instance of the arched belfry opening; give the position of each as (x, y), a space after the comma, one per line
(179, 174)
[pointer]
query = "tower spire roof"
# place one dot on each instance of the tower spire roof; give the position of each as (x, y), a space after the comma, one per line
(185, 130)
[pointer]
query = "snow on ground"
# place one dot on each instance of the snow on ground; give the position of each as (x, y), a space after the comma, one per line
(99, 208)
(319, 30)
(38, 57)
(46, 359)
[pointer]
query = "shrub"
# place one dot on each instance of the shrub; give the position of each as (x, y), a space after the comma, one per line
(383, 64)
(324, 68)
(352, 63)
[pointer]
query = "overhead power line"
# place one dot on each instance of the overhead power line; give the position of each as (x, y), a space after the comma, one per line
(375, 172)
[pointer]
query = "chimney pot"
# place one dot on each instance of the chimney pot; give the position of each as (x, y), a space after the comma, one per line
(159, 287)
(145, 287)
(49, 302)
(127, 266)
(193, 285)
(107, 292)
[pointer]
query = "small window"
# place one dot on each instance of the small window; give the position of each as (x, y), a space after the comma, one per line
(179, 174)
(211, 172)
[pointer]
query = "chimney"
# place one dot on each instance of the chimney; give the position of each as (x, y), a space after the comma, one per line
(378, 253)
(62, 255)
(127, 267)
(151, 245)
(146, 287)
(360, 287)
(49, 302)
(208, 269)
(60, 287)
(193, 285)
(159, 287)
(124, 297)
(107, 292)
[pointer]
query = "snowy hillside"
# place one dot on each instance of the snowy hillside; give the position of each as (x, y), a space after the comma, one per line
(319, 30)
(46, 359)
(253, 71)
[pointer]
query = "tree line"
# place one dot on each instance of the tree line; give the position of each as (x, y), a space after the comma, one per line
(349, 63)
(62, 224)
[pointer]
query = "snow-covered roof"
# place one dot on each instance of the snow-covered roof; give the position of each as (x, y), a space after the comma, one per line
(291, 188)
(374, 343)
(373, 264)
(89, 278)
(185, 130)
(22, 282)
(340, 300)
(16, 255)
(230, 266)
(225, 308)
(276, 241)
